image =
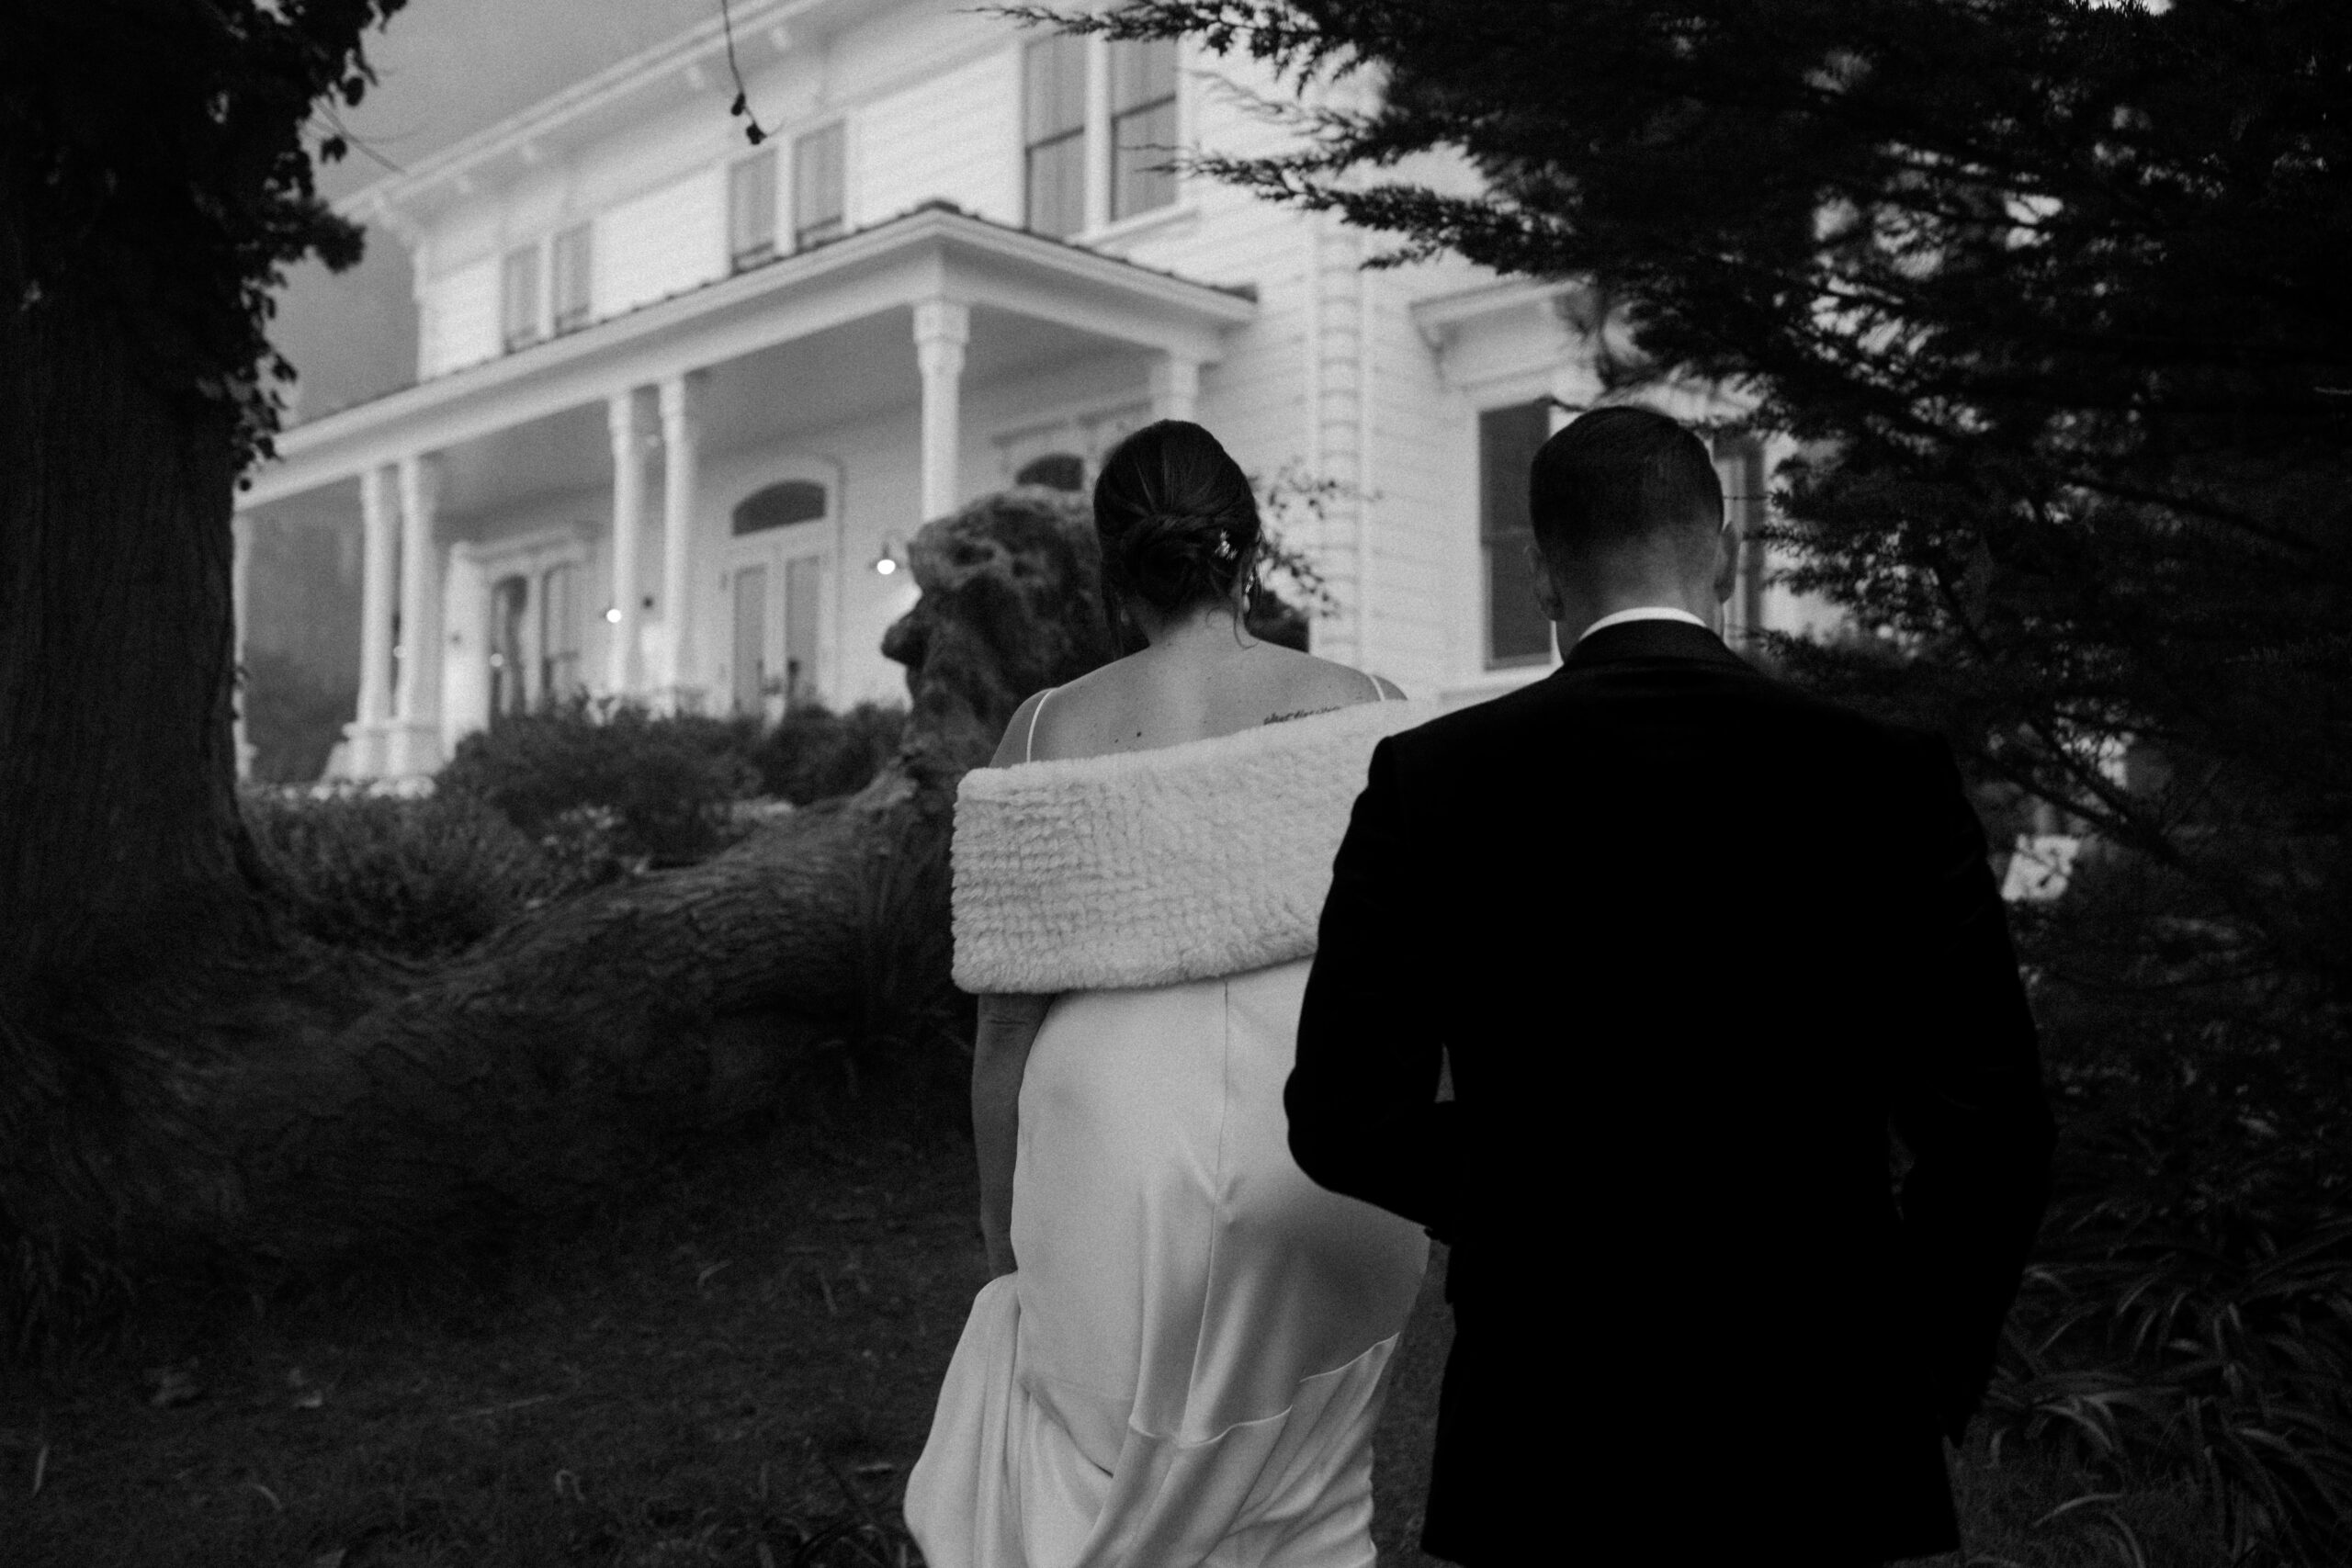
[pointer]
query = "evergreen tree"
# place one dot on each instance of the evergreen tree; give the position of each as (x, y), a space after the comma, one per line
(2051, 292)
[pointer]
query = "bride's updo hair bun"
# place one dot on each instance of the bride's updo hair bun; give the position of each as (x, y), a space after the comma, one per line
(1177, 524)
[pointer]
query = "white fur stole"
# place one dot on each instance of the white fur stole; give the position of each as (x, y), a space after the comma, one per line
(1149, 868)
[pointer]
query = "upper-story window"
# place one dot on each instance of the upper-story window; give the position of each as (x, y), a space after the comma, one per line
(518, 298)
(819, 166)
(1517, 631)
(1053, 134)
(751, 209)
(1143, 125)
(569, 263)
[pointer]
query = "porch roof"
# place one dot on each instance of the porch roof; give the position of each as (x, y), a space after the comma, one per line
(935, 252)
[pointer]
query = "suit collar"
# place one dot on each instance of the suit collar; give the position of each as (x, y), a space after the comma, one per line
(1651, 640)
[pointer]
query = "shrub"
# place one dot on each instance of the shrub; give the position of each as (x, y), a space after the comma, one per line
(414, 878)
(815, 753)
(2186, 1323)
(667, 780)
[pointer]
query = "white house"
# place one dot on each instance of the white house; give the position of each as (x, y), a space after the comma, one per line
(680, 401)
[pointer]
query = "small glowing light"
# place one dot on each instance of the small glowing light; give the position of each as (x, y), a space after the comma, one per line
(885, 560)
(613, 614)
(885, 566)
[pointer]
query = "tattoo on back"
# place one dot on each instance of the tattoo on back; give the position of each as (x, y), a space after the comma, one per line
(1302, 713)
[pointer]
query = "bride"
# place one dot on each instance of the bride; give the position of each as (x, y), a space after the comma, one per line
(1180, 1357)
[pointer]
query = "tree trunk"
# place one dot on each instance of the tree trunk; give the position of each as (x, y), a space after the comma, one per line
(118, 825)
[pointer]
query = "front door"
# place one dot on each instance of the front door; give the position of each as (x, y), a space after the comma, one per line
(778, 581)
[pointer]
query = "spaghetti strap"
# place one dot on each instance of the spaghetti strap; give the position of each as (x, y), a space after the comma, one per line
(1378, 689)
(1029, 746)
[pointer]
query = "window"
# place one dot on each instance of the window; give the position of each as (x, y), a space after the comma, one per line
(569, 261)
(510, 598)
(1143, 125)
(750, 668)
(780, 506)
(518, 310)
(1054, 471)
(1053, 134)
(1739, 463)
(804, 583)
(818, 200)
(559, 633)
(1517, 632)
(751, 211)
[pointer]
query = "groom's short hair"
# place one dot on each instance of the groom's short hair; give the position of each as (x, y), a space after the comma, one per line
(1617, 475)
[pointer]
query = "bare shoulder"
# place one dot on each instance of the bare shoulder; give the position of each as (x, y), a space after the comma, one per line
(1013, 746)
(1311, 685)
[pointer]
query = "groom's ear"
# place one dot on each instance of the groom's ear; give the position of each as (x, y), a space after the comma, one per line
(1726, 561)
(1547, 593)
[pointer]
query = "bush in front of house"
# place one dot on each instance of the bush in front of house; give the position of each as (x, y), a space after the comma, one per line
(669, 782)
(815, 754)
(418, 877)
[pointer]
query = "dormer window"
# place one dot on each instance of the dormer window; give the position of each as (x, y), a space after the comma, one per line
(518, 308)
(1054, 137)
(819, 166)
(569, 258)
(1143, 125)
(751, 209)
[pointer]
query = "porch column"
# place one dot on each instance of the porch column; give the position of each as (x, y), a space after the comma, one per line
(942, 328)
(681, 434)
(241, 573)
(366, 732)
(628, 508)
(1175, 386)
(416, 740)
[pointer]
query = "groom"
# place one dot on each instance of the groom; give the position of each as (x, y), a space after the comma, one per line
(1694, 941)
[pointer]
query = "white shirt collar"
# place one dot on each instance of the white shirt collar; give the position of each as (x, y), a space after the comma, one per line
(1643, 613)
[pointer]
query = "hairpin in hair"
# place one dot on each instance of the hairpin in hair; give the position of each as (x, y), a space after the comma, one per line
(1224, 550)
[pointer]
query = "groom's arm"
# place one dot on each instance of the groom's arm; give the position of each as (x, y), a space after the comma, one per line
(1365, 1116)
(1967, 1099)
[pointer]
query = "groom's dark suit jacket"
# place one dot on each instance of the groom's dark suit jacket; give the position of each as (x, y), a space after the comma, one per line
(1693, 941)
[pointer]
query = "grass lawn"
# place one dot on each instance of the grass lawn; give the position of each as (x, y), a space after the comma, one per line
(738, 1371)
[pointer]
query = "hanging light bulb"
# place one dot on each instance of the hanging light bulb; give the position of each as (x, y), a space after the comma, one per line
(887, 563)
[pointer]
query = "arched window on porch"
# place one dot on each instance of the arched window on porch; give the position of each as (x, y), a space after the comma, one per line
(1054, 471)
(780, 506)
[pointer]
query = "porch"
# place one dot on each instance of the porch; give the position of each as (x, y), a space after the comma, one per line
(682, 504)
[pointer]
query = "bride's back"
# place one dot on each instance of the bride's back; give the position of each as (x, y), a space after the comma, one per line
(1179, 530)
(1171, 692)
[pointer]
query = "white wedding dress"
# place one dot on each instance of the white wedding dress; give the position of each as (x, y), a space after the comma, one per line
(1188, 1364)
